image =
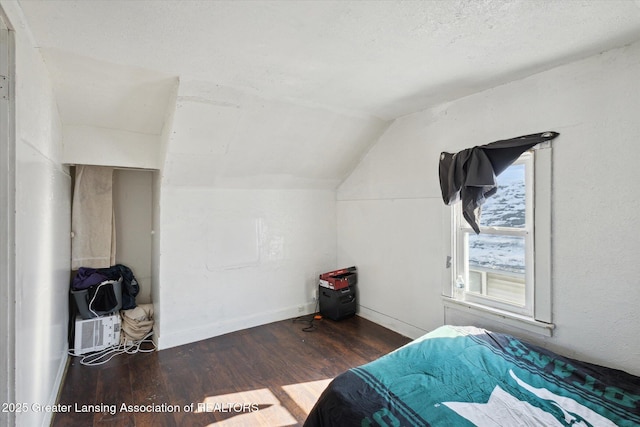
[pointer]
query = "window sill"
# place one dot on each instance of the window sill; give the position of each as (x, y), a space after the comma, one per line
(519, 321)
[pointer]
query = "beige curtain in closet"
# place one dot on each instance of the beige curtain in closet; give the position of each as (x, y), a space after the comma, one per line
(92, 218)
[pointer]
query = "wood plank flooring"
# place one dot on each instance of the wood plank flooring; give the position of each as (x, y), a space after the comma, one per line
(269, 375)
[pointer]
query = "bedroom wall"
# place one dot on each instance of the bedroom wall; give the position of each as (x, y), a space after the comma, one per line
(392, 222)
(233, 259)
(42, 230)
(247, 208)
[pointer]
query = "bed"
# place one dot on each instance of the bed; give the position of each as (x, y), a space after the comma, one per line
(464, 376)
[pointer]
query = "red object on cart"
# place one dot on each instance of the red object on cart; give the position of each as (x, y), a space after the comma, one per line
(339, 279)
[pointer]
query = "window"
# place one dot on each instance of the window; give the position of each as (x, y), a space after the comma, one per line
(494, 268)
(506, 268)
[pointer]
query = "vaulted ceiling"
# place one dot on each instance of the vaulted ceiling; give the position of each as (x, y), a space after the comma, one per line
(296, 91)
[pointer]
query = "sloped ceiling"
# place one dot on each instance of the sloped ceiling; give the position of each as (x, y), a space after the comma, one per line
(97, 93)
(294, 92)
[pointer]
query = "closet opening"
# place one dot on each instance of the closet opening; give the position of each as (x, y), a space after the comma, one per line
(132, 196)
(112, 250)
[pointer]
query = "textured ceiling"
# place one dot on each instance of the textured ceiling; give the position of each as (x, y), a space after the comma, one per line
(292, 94)
(380, 58)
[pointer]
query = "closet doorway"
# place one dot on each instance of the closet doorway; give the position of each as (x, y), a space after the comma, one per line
(132, 196)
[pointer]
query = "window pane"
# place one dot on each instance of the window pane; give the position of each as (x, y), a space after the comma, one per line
(501, 260)
(506, 208)
(489, 252)
(506, 287)
(475, 282)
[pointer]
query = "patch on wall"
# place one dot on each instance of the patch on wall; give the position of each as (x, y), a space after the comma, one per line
(233, 243)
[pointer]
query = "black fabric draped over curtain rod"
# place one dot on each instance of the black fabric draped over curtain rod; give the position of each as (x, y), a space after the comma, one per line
(470, 175)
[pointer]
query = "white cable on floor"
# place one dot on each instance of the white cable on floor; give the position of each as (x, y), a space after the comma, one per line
(103, 356)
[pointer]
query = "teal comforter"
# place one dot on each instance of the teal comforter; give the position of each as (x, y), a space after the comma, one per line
(464, 376)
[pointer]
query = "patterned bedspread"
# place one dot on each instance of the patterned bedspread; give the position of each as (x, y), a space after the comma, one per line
(464, 376)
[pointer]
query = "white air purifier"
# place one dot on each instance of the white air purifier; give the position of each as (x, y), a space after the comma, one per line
(96, 334)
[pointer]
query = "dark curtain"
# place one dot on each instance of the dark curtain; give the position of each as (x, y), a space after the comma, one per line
(470, 175)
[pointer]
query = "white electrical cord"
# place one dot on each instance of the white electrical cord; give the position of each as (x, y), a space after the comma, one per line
(103, 356)
(106, 282)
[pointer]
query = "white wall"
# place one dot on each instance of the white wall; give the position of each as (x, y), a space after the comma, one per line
(91, 145)
(247, 217)
(233, 259)
(7, 229)
(42, 231)
(391, 217)
(156, 219)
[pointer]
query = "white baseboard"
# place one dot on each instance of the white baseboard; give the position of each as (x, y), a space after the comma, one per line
(388, 322)
(214, 329)
(57, 386)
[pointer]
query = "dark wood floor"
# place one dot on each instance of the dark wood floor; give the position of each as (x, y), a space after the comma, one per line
(268, 375)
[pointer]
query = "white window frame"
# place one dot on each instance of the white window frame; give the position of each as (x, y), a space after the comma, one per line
(463, 230)
(537, 316)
